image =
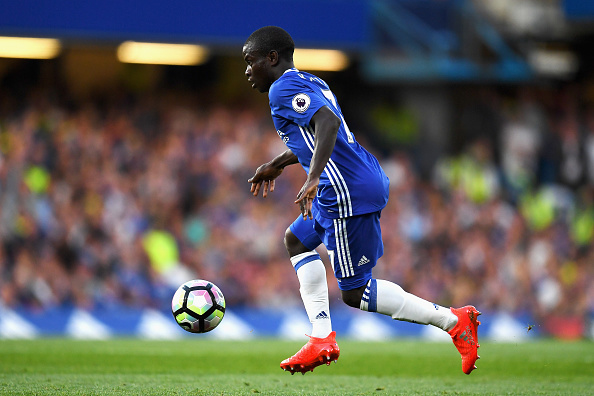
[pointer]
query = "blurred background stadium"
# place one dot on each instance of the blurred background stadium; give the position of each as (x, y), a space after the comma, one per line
(123, 167)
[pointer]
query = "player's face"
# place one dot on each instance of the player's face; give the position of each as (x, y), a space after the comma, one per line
(258, 69)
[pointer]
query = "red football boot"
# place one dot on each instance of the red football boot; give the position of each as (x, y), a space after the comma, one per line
(317, 351)
(464, 336)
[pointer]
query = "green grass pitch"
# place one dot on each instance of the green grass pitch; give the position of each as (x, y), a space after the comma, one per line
(203, 366)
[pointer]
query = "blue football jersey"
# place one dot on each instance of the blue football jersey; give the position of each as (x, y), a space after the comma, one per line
(353, 182)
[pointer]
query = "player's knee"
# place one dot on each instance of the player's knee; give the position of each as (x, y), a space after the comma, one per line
(352, 298)
(293, 244)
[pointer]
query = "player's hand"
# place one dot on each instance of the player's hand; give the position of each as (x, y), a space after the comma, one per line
(306, 196)
(265, 174)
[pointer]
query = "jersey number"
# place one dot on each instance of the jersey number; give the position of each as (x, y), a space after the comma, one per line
(328, 94)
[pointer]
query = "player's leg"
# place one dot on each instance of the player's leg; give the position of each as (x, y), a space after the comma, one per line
(390, 299)
(300, 241)
(355, 244)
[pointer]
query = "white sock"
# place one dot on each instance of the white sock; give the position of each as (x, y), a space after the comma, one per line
(314, 292)
(390, 299)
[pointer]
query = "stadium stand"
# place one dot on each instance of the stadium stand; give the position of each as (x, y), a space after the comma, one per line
(109, 201)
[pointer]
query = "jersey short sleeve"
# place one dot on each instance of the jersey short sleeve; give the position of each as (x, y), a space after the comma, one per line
(294, 101)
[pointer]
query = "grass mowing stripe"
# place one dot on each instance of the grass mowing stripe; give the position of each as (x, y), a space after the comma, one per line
(203, 366)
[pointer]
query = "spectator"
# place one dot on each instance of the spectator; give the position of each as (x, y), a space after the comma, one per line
(82, 191)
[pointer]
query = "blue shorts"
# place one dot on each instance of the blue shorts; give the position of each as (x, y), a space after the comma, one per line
(354, 245)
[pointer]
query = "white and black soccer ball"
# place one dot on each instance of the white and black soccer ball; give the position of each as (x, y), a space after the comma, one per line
(198, 306)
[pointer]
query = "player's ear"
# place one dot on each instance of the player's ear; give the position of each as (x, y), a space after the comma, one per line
(273, 57)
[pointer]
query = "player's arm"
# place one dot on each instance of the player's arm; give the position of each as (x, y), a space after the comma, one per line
(325, 124)
(268, 172)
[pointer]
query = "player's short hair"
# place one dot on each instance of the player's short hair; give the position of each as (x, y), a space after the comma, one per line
(269, 38)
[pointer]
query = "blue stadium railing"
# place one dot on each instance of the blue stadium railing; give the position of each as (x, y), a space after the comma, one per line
(428, 40)
(241, 323)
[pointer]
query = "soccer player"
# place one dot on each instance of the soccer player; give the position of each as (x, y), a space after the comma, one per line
(340, 203)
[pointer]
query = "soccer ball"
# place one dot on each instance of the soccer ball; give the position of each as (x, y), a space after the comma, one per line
(198, 306)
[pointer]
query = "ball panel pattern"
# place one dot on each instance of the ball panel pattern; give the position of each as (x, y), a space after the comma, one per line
(198, 306)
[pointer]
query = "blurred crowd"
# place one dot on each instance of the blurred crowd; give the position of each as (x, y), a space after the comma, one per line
(118, 202)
